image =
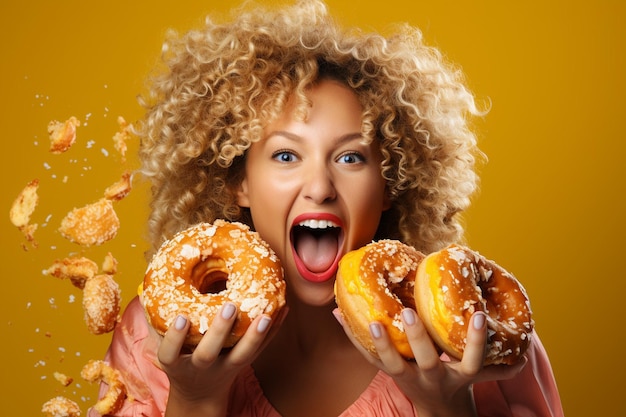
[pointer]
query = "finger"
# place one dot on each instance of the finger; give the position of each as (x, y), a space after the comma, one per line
(280, 317)
(250, 344)
(173, 340)
(339, 317)
(502, 372)
(213, 340)
(257, 336)
(426, 355)
(474, 352)
(277, 321)
(367, 354)
(394, 364)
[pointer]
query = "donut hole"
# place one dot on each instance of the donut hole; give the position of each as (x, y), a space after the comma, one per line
(498, 292)
(405, 290)
(210, 276)
(213, 283)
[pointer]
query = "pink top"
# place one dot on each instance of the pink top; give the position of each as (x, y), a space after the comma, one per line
(133, 351)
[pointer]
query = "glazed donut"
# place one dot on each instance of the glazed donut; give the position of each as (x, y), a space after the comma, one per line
(454, 283)
(199, 269)
(375, 283)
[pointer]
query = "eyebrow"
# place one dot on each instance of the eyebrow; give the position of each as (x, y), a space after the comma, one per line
(342, 139)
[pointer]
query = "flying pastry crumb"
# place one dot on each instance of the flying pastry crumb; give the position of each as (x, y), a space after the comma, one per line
(112, 400)
(23, 208)
(120, 189)
(109, 266)
(60, 407)
(62, 134)
(24, 205)
(121, 137)
(63, 379)
(92, 224)
(76, 269)
(101, 304)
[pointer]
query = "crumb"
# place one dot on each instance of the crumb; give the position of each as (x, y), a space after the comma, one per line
(96, 371)
(77, 269)
(92, 224)
(60, 407)
(23, 208)
(62, 134)
(121, 137)
(24, 205)
(63, 379)
(109, 266)
(101, 304)
(120, 189)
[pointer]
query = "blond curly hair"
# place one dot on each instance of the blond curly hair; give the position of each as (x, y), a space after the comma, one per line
(224, 82)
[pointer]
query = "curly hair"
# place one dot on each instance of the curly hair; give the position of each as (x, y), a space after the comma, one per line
(224, 82)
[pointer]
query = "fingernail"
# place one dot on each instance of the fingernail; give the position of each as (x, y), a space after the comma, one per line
(375, 330)
(409, 316)
(338, 316)
(264, 323)
(228, 311)
(180, 323)
(479, 321)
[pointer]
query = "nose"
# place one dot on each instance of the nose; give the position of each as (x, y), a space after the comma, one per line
(319, 186)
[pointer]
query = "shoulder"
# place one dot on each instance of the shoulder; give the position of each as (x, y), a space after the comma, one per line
(133, 351)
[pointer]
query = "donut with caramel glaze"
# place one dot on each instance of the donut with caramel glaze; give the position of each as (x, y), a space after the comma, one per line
(201, 268)
(375, 283)
(455, 282)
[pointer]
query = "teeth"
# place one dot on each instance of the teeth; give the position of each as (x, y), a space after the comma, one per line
(317, 224)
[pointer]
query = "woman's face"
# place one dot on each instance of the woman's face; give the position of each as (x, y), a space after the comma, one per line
(315, 190)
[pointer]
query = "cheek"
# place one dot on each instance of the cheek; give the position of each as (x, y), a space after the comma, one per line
(369, 221)
(268, 216)
(366, 212)
(369, 194)
(265, 211)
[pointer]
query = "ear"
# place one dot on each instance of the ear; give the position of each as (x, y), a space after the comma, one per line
(242, 194)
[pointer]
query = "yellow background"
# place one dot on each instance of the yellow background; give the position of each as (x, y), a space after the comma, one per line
(551, 207)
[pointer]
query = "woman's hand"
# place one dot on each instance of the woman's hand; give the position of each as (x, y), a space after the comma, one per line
(200, 381)
(436, 387)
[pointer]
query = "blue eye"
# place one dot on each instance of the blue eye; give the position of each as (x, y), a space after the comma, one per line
(351, 158)
(284, 156)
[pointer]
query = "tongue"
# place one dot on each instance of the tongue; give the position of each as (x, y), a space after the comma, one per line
(317, 253)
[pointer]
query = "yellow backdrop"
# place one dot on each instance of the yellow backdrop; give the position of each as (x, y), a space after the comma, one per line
(550, 208)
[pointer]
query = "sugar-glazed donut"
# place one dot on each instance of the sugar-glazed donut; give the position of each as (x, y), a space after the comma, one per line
(454, 283)
(200, 268)
(375, 283)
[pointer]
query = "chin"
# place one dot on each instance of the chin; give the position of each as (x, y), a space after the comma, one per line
(314, 295)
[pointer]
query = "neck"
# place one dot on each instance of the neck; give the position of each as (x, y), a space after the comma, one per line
(310, 357)
(312, 328)
(309, 331)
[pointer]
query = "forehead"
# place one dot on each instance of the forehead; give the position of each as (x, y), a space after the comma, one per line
(326, 99)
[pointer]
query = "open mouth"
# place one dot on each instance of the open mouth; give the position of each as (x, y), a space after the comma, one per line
(316, 245)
